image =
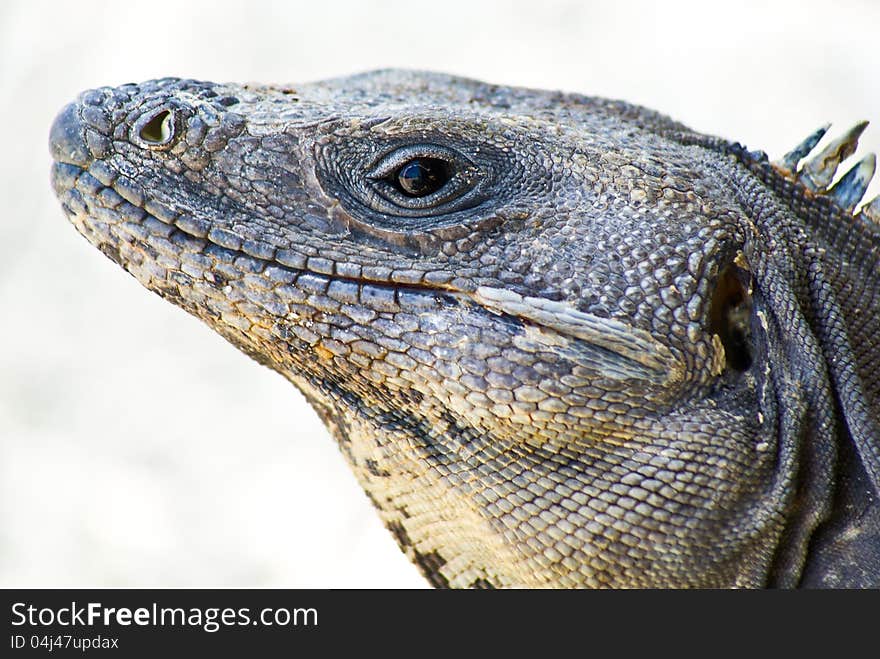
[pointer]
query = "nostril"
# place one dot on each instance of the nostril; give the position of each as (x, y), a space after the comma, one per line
(67, 142)
(156, 130)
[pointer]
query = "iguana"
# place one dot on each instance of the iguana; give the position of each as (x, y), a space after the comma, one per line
(562, 341)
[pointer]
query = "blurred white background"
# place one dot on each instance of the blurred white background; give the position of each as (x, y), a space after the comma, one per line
(136, 447)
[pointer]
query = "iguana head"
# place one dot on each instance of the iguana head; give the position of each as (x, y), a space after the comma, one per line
(562, 341)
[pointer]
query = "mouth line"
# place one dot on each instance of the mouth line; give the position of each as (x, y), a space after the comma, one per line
(613, 348)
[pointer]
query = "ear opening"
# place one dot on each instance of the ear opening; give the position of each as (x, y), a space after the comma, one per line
(730, 312)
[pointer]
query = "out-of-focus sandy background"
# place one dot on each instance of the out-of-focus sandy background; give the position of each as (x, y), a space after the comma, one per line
(136, 447)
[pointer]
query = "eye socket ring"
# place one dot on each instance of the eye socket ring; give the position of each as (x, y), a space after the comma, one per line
(157, 129)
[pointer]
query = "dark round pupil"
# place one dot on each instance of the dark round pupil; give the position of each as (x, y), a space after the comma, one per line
(422, 176)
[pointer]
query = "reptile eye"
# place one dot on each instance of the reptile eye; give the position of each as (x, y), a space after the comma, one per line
(157, 130)
(422, 176)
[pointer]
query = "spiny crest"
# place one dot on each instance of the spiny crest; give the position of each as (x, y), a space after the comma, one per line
(817, 173)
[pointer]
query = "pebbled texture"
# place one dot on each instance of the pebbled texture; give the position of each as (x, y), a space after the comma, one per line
(609, 352)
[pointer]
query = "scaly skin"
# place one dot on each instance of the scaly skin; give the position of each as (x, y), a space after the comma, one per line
(608, 351)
